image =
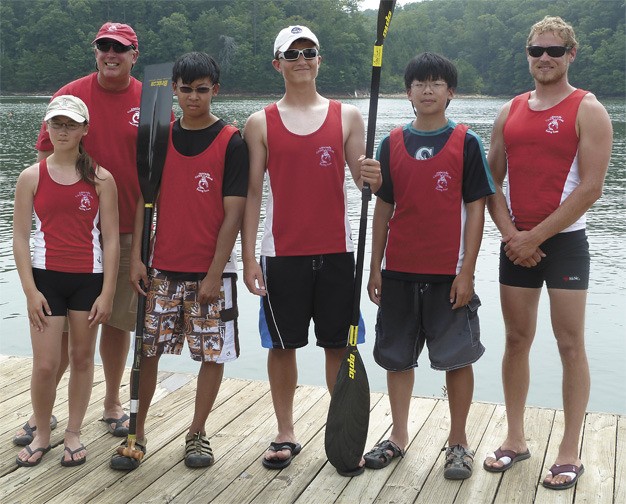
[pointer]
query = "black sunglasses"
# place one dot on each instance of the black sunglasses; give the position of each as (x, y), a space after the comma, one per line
(294, 54)
(555, 51)
(105, 46)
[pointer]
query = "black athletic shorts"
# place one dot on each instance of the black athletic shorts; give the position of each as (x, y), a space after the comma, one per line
(68, 291)
(301, 288)
(414, 313)
(566, 265)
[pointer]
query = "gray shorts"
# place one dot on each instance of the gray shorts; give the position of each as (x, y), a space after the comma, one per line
(414, 313)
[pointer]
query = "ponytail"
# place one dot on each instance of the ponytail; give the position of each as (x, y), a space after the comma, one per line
(85, 165)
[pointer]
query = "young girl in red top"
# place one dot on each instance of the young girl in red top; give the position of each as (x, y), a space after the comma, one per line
(71, 272)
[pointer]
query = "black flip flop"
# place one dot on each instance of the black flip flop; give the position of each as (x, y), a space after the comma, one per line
(276, 463)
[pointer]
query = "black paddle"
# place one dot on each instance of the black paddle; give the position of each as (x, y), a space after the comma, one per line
(348, 414)
(152, 138)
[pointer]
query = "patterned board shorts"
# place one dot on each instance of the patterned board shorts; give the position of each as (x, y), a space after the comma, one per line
(173, 315)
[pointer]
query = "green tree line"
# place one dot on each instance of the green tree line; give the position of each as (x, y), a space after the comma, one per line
(46, 43)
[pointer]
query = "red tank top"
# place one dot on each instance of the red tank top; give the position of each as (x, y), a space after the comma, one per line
(542, 156)
(190, 207)
(67, 226)
(306, 205)
(426, 230)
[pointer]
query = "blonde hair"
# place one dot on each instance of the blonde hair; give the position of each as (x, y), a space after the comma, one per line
(558, 26)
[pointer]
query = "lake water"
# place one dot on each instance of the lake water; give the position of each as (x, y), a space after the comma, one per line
(20, 118)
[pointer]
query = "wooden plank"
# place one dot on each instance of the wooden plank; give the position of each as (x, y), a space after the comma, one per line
(520, 482)
(620, 458)
(437, 488)
(598, 457)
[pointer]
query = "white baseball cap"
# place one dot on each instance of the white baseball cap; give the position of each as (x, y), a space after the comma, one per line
(68, 106)
(289, 35)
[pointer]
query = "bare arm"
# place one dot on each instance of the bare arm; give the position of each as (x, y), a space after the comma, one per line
(362, 169)
(255, 135)
(233, 216)
(109, 224)
(36, 303)
(382, 215)
(463, 285)
(138, 270)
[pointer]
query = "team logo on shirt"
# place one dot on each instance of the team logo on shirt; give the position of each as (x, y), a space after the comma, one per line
(553, 124)
(325, 153)
(424, 153)
(442, 180)
(203, 182)
(134, 116)
(85, 201)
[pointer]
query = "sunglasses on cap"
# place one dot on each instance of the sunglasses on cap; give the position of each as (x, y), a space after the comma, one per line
(105, 46)
(553, 51)
(294, 54)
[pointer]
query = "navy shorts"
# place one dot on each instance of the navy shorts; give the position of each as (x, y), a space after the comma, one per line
(301, 288)
(566, 265)
(68, 291)
(414, 313)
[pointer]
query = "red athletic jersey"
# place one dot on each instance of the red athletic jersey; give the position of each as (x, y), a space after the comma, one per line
(306, 205)
(67, 226)
(427, 228)
(190, 208)
(542, 157)
(112, 137)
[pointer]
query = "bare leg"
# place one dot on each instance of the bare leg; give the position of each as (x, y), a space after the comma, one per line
(46, 361)
(334, 357)
(282, 370)
(147, 386)
(114, 345)
(567, 310)
(82, 346)
(207, 388)
(400, 388)
(519, 309)
(460, 385)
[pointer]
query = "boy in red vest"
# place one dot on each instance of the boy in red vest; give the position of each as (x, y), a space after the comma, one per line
(428, 226)
(191, 285)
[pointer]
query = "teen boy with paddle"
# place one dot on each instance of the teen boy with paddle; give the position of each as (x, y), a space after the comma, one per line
(191, 285)
(428, 226)
(112, 96)
(306, 272)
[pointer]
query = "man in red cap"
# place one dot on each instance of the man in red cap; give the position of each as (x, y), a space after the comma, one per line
(113, 97)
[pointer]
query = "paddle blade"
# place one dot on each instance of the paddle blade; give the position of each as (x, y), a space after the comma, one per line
(348, 414)
(154, 127)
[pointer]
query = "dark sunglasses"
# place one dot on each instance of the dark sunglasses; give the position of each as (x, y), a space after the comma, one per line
(199, 90)
(555, 51)
(105, 46)
(294, 54)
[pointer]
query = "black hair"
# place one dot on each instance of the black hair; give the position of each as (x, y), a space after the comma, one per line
(192, 66)
(430, 66)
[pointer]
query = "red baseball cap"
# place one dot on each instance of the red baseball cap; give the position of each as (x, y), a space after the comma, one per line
(119, 32)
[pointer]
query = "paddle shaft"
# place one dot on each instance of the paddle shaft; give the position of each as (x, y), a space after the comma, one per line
(385, 12)
(152, 139)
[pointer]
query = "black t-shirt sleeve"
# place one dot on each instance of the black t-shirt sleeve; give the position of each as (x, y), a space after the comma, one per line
(477, 181)
(236, 167)
(385, 192)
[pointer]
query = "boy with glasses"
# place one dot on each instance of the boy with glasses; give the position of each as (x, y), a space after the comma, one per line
(428, 226)
(113, 97)
(553, 144)
(302, 142)
(191, 286)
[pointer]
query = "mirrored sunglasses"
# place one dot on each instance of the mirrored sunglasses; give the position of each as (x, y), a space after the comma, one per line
(553, 51)
(294, 54)
(105, 46)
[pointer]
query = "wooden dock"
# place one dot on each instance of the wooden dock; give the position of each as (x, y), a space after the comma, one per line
(241, 426)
